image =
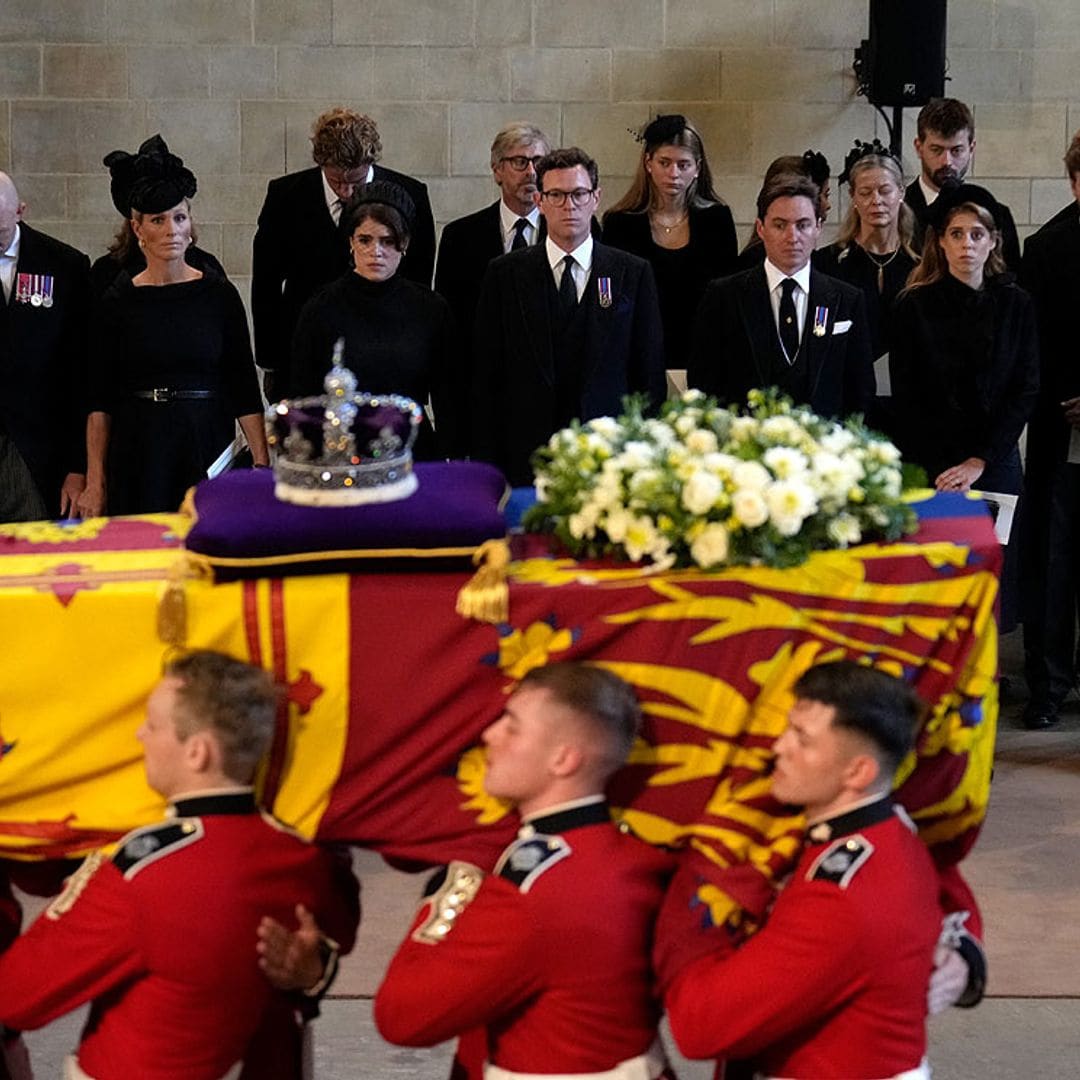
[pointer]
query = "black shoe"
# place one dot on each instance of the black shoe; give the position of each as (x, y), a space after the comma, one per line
(1039, 715)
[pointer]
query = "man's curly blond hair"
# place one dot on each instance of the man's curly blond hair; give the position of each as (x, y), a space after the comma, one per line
(345, 139)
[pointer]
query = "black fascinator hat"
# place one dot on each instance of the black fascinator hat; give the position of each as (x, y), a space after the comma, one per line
(151, 180)
(954, 194)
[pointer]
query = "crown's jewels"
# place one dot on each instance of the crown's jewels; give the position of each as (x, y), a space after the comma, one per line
(343, 448)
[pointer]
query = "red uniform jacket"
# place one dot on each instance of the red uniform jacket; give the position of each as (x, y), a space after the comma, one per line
(550, 953)
(835, 983)
(162, 940)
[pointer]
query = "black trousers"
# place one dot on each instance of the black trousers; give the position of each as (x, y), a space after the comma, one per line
(1051, 579)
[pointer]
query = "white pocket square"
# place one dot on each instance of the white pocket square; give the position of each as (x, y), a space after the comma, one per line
(841, 326)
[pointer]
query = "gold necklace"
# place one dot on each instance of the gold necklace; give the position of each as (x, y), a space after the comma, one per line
(674, 225)
(881, 266)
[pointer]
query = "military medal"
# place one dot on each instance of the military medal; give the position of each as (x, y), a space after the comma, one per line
(47, 290)
(603, 286)
(22, 289)
(35, 290)
(821, 319)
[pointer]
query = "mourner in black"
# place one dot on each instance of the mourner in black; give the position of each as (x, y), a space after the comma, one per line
(672, 217)
(1051, 549)
(784, 323)
(945, 144)
(964, 363)
(298, 246)
(43, 323)
(564, 329)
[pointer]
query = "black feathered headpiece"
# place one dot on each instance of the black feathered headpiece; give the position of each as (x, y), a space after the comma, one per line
(865, 149)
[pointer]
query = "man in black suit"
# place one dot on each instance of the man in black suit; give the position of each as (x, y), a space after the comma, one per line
(43, 339)
(298, 246)
(945, 143)
(1051, 523)
(512, 222)
(784, 323)
(564, 329)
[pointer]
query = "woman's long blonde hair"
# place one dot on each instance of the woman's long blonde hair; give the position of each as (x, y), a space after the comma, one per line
(852, 223)
(934, 266)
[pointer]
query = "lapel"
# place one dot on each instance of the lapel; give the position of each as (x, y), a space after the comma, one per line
(818, 347)
(915, 198)
(601, 320)
(533, 284)
(755, 310)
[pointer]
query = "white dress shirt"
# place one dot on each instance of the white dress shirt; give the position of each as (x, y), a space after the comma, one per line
(801, 295)
(580, 267)
(508, 219)
(333, 203)
(929, 194)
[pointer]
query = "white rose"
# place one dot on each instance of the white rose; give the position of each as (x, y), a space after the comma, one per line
(710, 548)
(780, 429)
(884, 452)
(700, 492)
(644, 478)
(637, 455)
(751, 474)
(583, 523)
(837, 441)
(790, 502)
(785, 462)
(749, 507)
(660, 433)
(721, 464)
(843, 529)
(692, 397)
(701, 441)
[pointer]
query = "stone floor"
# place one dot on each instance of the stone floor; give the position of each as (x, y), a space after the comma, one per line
(1025, 869)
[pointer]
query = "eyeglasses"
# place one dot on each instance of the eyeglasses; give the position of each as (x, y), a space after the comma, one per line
(579, 197)
(520, 162)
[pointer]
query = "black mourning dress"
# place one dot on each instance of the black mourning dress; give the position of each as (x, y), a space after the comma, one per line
(681, 273)
(189, 336)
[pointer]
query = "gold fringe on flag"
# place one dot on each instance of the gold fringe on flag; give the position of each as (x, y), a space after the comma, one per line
(486, 596)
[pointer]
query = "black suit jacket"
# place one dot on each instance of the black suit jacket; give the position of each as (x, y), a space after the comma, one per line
(736, 344)
(1010, 242)
(298, 249)
(514, 378)
(43, 364)
(1051, 273)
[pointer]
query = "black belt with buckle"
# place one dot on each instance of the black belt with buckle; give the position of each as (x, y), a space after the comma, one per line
(165, 394)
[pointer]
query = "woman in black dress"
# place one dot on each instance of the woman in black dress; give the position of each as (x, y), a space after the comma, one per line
(124, 253)
(171, 368)
(964, 361)
(672, 217)
(873, 252)
(399, 336)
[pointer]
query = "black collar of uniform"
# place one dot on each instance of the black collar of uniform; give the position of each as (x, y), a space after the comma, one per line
(221, 802)
(561, 821)
(851, 821)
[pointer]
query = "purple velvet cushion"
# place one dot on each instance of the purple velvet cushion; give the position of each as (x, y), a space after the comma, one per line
(244, 531)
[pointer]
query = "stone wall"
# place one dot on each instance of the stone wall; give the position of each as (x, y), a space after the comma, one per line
(234, 84)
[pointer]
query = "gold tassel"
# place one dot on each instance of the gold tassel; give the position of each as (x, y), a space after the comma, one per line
(172, 607)
(486, 596)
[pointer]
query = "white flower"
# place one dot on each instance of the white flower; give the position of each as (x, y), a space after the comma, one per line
(780, 429)
(701, 441)
(607, 491)
(606, 426)
(641, 538)
(834, 475)
(844, 529)
(790, 503)
(700, 492)
(541, 484)
(596, 444)
(582, 525)
(710, 547)
(692, 397)
(743, 428)
(644, 478)
(751, 474)
(837, 441)
(637, 455)
(660, 433)
(884, 452)
(785, 463)
(616, 524)
(748, 507)
(721, 464)
(892, 483)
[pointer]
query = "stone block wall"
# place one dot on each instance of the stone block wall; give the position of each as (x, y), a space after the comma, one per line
(234, 84)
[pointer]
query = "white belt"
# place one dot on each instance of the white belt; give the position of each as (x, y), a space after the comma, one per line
(647, 1066)
(73, 1071)
(920, 1072)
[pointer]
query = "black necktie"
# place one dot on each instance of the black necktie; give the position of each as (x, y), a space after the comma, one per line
(519, 234)
(568, 298)
(789, 320)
